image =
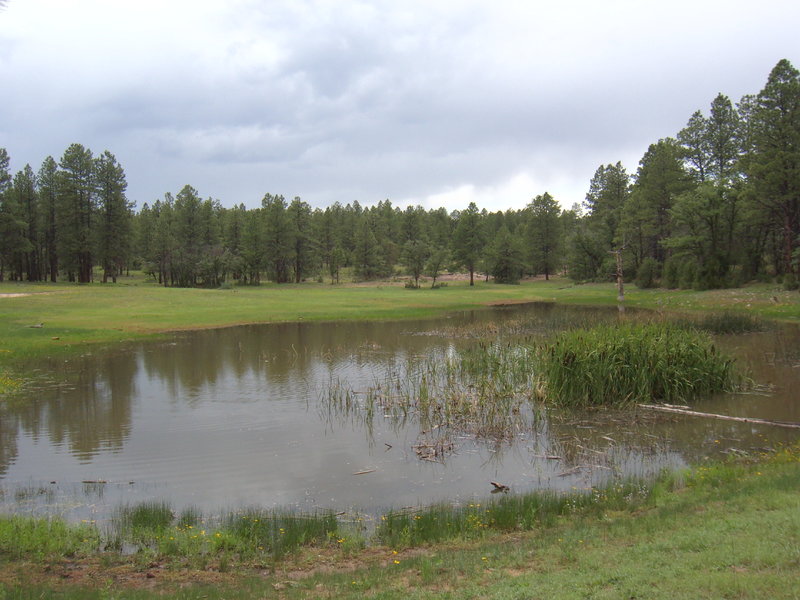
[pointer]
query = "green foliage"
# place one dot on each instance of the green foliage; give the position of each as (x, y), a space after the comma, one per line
(670, 273)
(468, 240)
(35, 539)
(276, 532)
(790, 282)
(647, 275)
(687, 273)
(544, 234)
(142, 523)
(414, 256)
(505, 258)
(630, 363)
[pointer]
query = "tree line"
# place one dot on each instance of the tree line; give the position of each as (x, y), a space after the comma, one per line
(714, 206)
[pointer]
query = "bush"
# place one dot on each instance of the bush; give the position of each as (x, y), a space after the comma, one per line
(670, 276)
(687, 273)
(647, 274)
(790, 282)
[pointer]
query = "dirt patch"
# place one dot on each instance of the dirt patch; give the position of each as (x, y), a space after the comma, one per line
(14, 295)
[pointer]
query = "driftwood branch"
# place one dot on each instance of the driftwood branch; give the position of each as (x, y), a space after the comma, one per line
(694, 413)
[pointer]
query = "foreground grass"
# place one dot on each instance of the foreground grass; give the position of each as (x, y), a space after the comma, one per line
(722, 530)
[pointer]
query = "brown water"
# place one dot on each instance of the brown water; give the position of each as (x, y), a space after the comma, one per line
(234, 417)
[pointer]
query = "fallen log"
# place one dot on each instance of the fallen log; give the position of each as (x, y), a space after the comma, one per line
(694, 413)
(365, 471)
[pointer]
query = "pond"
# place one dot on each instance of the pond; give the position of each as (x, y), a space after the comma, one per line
(238, 417)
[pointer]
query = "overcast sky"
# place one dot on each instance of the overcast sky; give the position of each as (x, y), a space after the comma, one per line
(426, 102)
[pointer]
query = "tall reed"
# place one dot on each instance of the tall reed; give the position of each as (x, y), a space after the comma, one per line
(629, 363)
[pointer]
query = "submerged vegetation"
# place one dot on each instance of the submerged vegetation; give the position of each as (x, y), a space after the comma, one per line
(727, 322)
(491, 388)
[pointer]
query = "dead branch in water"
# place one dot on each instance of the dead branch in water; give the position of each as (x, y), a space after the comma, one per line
(694, 413)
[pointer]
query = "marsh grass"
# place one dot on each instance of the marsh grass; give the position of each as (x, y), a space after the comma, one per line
(36, 538)
(481, 390)
(726, 322)
(506, 513)
(629, 363)
(275, 533)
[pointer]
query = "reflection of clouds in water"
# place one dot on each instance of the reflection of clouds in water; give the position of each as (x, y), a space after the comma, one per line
(232, 417)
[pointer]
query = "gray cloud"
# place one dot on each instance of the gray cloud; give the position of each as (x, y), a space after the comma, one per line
(416, 101)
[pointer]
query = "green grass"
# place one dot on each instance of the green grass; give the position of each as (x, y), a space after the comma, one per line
(720, 530)
(81, 315)
(42, 539)
(631, 362)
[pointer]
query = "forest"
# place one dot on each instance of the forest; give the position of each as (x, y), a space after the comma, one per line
(717, 205)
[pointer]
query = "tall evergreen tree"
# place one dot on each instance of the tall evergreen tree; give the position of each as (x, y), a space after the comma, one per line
(544, 234)
(76, 212)
(368, 255)
(114, 216)
(278, 238)
(48, 201)
(505, 257)
(468, 240)
(694, 141)
(660, 179)
(303, 252)
(773, 161)
(24, 188)
(13, 241)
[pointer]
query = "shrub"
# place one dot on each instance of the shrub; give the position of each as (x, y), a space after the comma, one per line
(687, 273)
(647, 274)
(670, 274)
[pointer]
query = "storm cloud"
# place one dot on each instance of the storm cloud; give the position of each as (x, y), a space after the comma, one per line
(432, 103)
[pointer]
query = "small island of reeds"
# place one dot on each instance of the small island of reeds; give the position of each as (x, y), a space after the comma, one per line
(633, 362)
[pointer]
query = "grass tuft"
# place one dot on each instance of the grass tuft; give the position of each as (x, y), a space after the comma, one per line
(629, 363)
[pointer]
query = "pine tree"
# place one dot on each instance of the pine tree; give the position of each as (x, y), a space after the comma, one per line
(544, 234)
(468, 240)
(76, 212)
(113, 230)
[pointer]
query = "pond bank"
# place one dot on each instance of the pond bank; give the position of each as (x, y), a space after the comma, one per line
(39, 320)
(700, 535)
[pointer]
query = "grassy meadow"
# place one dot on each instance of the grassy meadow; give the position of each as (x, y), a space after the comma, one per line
(74, 316)
(728, 529)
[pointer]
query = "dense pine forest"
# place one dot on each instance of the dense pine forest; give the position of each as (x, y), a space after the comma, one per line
(715, 206)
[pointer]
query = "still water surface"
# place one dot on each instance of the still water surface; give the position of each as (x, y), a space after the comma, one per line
(234, 417)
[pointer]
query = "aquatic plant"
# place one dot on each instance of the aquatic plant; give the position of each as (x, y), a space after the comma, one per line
(629, 363)
(22, 536)
(727, 322)
(513, 512)
(480, 390)
(142, 523)
(275, 532)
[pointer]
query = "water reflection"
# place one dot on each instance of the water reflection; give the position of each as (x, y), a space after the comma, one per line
(232, 417)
